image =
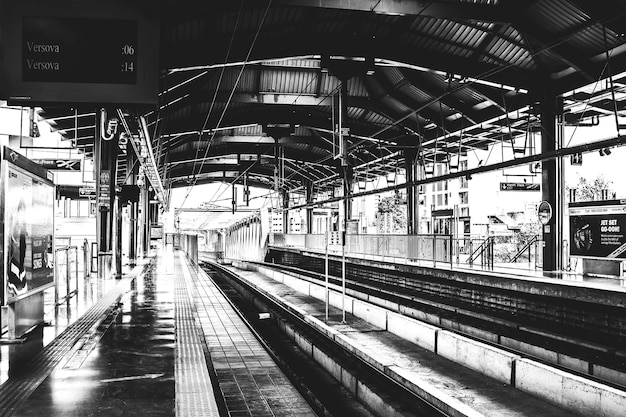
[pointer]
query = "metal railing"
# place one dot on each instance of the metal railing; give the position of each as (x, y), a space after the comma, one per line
(484, 252)
(527, 248)
(469, 251)
(432, 247)
(66, 273)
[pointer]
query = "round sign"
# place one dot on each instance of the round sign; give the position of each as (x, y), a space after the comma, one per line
(544, 212)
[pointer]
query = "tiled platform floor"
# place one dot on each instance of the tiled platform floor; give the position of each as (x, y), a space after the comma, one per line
(249, 380)
(148, 356)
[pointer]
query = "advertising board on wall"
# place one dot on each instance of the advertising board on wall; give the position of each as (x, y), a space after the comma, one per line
(598, 229)
(28, 233)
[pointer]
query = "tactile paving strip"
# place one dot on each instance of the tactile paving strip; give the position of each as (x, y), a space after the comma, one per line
(19, 387)
(194, 392)
(251, 383)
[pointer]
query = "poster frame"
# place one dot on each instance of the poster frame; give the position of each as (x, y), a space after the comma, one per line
(11, 160)
(596, 208)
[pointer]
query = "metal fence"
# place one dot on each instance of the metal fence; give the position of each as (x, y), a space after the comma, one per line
(472, 251)
(66, 273)
(435, 248)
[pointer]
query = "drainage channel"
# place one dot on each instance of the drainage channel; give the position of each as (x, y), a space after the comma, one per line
(286, 334)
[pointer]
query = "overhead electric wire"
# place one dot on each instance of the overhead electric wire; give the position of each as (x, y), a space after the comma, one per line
(243, 67)
(206, 119)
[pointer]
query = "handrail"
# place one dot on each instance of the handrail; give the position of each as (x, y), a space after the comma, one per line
(523, 249)
(485, 246)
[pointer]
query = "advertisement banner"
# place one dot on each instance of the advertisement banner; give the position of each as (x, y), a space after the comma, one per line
(598, 231)
(29, 205)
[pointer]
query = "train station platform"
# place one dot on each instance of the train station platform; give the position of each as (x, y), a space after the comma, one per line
(160, 341)
(166, 340)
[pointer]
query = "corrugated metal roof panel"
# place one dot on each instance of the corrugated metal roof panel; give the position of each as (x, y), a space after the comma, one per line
(395, 105)
(288, 81)
(357, 88)
(293, 62)
(329, 84)
(509, 48)
(377, 119)
(394, 75)
(416, 94)
(445, 36)
(556, 16)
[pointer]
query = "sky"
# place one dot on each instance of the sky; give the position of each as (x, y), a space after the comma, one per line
(612, 166)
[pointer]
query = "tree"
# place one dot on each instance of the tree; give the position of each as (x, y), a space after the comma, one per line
(392, 209)
(590, 190)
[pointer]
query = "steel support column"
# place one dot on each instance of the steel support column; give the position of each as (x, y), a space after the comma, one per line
(552, 179)
(133, 167)
(346, 168)
(285, 203)
(412, 196)
(118, 238)
(309, 210)
(105, 156)
(144, 221)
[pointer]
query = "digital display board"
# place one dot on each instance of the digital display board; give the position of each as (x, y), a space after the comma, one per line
(79, 50)
(598, 229)
(28, 233)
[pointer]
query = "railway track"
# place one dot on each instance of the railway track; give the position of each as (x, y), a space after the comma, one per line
(327, 396)
(462, 318)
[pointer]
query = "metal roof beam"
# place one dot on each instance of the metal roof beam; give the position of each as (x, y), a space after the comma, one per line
(439, 9)
(607, 12)
(552, 45)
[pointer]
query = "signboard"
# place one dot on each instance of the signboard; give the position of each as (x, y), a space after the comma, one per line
(79, 52)
(576, 158)
(104, 194)
(59, 164)
(28, 221)
(156, 231)
(58, 49)
(87, 192)
(519, 186)
(598, 229)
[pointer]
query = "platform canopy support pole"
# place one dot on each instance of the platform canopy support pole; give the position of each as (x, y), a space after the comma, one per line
(552, 178)
(412, 197)
(133, 167)
(105, 158)
(309, 211)
(144, 222)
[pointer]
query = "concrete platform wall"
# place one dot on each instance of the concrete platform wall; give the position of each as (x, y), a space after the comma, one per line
(566, 390)
(590, 316)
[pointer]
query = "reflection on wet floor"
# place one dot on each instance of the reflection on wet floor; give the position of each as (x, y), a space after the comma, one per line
(125, 367)
(57, 319)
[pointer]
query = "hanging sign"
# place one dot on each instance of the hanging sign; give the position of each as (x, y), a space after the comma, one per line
(519, 186)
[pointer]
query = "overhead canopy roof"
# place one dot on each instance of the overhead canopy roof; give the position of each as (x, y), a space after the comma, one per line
(442, 77)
